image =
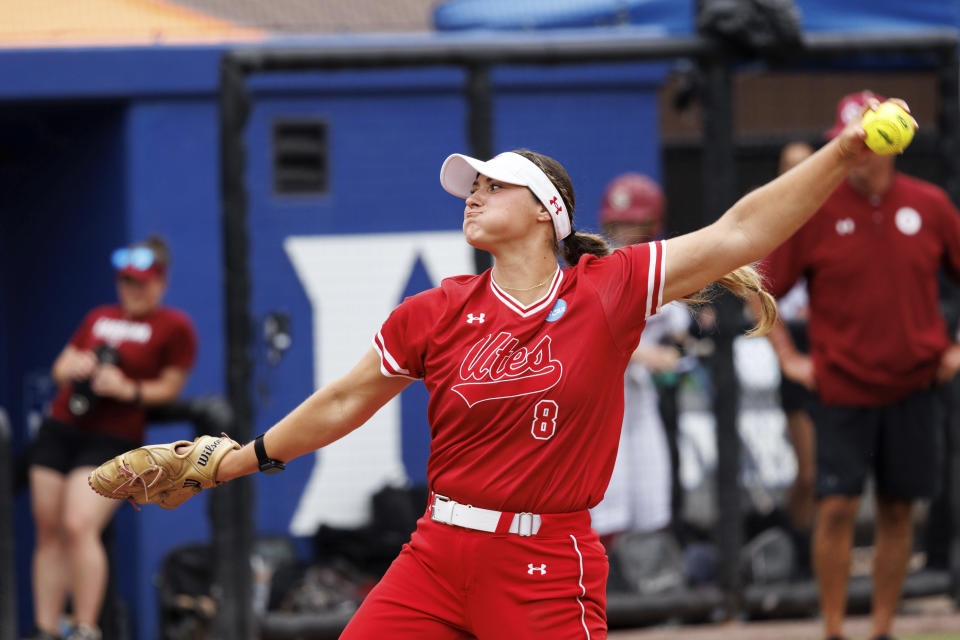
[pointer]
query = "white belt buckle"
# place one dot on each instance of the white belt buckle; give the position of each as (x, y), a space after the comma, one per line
(442, 510)
(524, 524)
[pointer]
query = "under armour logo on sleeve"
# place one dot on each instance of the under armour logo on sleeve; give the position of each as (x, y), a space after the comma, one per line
(471, 318)
(542, 569)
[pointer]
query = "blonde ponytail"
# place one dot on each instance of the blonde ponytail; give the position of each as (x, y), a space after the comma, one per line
(744, 283)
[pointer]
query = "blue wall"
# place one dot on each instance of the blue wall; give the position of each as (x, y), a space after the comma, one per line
(63, 212)
(107, 146)
(597, 120)
(64, 196)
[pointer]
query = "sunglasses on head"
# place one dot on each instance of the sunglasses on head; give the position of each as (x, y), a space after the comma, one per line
(140, 258)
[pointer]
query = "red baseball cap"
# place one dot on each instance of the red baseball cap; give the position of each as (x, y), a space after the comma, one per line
(849, 108)
(142, 275)
(632, 197)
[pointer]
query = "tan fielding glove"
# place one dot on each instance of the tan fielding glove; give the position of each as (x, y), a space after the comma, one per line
(160, 474)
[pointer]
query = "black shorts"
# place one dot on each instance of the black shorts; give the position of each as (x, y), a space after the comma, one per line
(63, 447)
(900, 444)
(793, 396)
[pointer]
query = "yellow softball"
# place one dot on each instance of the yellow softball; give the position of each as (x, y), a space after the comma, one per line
(889, 129)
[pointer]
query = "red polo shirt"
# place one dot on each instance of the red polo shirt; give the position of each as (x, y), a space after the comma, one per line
(871, 264)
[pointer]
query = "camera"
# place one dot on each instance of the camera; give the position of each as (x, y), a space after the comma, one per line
(83, 399)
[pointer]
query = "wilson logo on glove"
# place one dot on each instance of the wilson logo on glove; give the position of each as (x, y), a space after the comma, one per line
(207, 450)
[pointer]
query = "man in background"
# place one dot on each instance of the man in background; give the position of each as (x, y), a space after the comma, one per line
(878, 347)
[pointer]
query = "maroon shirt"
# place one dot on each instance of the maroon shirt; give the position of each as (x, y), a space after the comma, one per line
(146, 345)
(526, 401)
(871, 264)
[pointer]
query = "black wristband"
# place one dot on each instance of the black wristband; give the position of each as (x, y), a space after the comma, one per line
(267, 464)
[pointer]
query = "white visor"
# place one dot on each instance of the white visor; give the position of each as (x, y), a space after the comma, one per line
(459, 172)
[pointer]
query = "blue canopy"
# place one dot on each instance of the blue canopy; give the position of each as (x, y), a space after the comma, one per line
(667, 16)
(676, 17)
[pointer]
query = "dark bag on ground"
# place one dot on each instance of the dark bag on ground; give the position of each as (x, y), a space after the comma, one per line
(349, 562)
(187, 609)
(648, 562)
(768, 558)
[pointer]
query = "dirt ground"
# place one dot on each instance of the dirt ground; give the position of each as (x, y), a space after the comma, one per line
(926, 616)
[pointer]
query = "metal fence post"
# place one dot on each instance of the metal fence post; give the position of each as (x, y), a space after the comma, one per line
(232, 505)
(719, 182)
(8, 617)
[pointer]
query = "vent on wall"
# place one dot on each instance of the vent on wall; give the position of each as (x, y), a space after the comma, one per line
(300, 156)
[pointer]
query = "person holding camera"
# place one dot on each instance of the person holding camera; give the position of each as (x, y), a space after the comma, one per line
(122, 358)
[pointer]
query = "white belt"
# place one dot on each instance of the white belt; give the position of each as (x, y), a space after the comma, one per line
(449, 511)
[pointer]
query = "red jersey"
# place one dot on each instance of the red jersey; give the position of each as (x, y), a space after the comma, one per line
(526, 402)
(146, 345)
(876, 330)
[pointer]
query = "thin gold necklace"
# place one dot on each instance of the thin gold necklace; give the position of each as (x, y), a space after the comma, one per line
(539, 284)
